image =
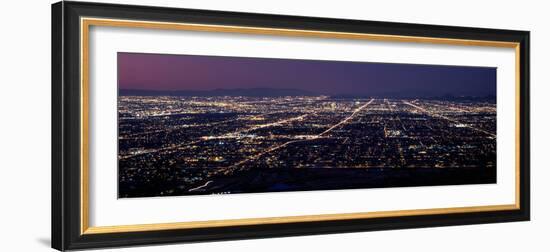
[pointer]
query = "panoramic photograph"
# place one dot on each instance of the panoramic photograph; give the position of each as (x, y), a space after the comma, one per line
(196, 125)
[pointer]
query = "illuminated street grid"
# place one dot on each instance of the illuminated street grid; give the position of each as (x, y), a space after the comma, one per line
(192, 143)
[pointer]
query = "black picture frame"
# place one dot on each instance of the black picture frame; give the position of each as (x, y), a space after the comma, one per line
(66, 134)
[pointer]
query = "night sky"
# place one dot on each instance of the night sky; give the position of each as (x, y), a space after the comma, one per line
(190, 72)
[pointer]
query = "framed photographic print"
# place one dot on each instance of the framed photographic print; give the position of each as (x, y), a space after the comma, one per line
(180, 125)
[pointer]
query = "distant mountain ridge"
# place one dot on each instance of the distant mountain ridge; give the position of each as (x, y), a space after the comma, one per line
(422, 94)
(251, 92)
(274, 92)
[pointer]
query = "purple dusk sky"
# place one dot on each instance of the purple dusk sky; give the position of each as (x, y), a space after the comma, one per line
(190, 72)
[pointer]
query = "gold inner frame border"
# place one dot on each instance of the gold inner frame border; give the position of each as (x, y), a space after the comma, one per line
(86, 22)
